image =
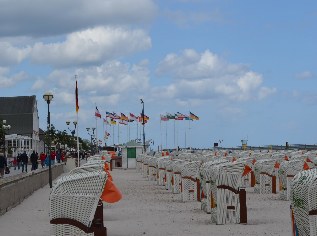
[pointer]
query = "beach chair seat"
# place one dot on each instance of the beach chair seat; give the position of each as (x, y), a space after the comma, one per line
(75, 206)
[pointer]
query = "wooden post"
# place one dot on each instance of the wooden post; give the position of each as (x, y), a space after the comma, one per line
(252, 179)
(198, 190)
(273, 184)
(243, 207)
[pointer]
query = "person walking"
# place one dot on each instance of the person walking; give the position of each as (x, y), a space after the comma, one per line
(19, 160)
(3, 164)
(33, 159)
(42, 158)
(24, 160)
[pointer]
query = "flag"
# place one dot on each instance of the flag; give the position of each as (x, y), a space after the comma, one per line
(277, 165)
(193, 116)
(109, 114)
(123, 122)
(106, 121)
(170, 116)
(97, 113)
(113, 122)
(133, 117)
(124, 117)
(164, 118)
(76, 95)
(146, 118)
(180, 116)
(115, 116)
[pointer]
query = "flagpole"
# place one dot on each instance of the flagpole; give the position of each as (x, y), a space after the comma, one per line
(77, 142)
(161, 130)
(128, 132)
(174, 135)
(137, 129)
(166, 136)
(97, 140)
(103, 131)
(188, 132)
(118, 134)
(112, 134)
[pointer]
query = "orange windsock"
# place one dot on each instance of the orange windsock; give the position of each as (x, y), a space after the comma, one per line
(111, 193)
(247, 170)
(306, 166)
(277, 165)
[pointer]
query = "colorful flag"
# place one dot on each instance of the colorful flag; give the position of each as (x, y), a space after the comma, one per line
(106, 121)
(170, 116)
(164, 118)
(115, 116)
(180, 115)
(123, 122)
(193, 116)
(109, 114)
(97, 113)
(124, 117)
(76, 94)
(133, 117)
(113, 122)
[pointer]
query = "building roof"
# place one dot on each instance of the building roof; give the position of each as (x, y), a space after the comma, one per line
(18, 112)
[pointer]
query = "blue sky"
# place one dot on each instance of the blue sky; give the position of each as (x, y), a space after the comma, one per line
(246, 68)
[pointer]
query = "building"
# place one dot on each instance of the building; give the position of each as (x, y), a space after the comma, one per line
(21, 114)
(130, 151)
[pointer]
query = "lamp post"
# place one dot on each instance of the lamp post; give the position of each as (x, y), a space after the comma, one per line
(92, 136)
(48, 97)
(5, 127)
(143, 123)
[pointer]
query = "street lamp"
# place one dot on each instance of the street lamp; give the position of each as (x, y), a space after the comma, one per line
(5, 127)
(48, 97)
(92, 136)
(143, 123)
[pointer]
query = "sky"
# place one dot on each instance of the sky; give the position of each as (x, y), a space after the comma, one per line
(247, 69)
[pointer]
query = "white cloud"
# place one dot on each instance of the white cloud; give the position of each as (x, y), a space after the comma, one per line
(7, 80)
(109, 83)
(11, 55)
(305, 75)
(46, 18)
(206, 76)
(91, 46)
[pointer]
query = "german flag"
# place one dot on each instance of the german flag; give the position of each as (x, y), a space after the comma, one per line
(193, 116)
(76, 95)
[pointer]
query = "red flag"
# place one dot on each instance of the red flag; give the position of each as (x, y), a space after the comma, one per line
(308, 160)
(97, 113)
(277, 165)
(247, 170)
(76, 94)
(306, 166)
(253, 161)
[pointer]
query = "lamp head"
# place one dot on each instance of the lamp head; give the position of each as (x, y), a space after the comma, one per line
(67, 122)
(141, 100)
(88, 129)
(48, 97)
(75, 123)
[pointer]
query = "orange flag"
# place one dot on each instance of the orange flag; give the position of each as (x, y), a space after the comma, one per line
(247, 170)
(306, 166)
(111, 193)
(277, 165)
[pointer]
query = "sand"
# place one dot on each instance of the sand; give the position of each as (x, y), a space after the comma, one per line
(149, 209)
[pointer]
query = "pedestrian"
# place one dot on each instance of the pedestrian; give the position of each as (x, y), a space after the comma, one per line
(15, 162)
(42, 158)
(24, 160)
(58, 156)
(37, 158)
(3, 164)
(53, 155)
(33, 159)
(19, 160)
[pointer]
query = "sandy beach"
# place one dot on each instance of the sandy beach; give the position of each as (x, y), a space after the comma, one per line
(149, 209)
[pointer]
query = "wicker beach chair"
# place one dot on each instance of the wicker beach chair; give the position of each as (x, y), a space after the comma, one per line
(73, 204)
